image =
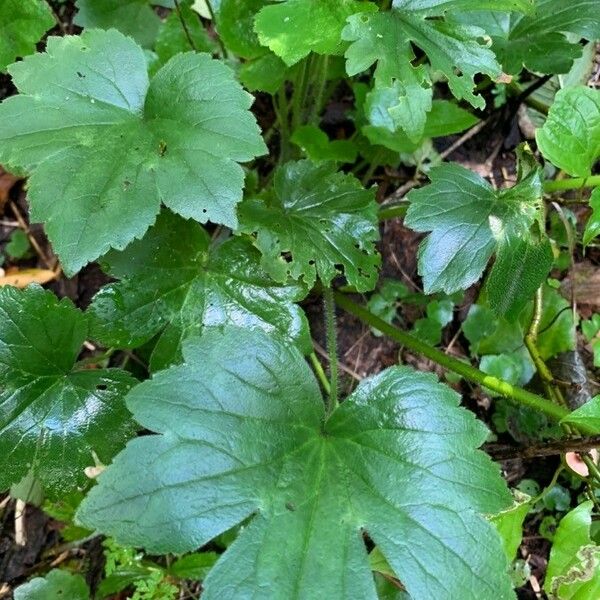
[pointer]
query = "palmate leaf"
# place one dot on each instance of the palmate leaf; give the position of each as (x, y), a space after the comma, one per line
(293, 29)
(318, 223)
(105, 146)
(54, 416)
(386, 38)
(135, 18)
(22, 24)
(174, 282)
(570, 137)
(242, 435)
(467, 219)
(537, 40)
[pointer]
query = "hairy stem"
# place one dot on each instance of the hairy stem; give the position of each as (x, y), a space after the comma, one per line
(516, 394)
(320, 373)
(331, 331)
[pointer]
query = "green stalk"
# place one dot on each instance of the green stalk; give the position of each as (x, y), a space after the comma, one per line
(320, 84)
(320, 373)
(573, 183)
(331, 331)
(516, 394)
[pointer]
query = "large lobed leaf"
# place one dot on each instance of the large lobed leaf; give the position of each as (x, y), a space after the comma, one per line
(22, 24)
(175, 282)
(318, 223)
(402, 91)
(241, 434)
(467, 219)
(54, 417)
(105, 146)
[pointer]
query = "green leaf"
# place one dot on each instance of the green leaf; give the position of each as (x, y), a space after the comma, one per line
(57, 585)
(194, 566)
(18, 245)
(135, 18)
(588, 415)
(537, 40)
(324, 222)
(521, 266)
(444, 118)
(318, 147)
(452, 49)
(242, 433)
(236, 27)
(105, 146)
(22, 24)
(174, 282)
(574, 567)
(570, 137)
(489, 334)
(592, 227)
(53, 416)
(172, 38)
(509, 523)
(466, 218)
(266, 73)
(293, 29)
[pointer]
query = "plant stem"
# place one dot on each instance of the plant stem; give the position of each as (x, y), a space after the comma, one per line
(531, 343)
(213, 18)
(321, 83)
(573, 183)
(320, 373)
(516, 394)
(186, 30)
(331, 332)
(298, 100)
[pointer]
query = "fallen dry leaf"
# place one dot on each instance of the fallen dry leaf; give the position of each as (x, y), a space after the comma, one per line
(7, 180)
(587, 284)
(22, 278)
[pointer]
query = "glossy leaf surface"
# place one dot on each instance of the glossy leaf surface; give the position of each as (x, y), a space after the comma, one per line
(54, 416)
(105, 145)
(174, 282)
(324, 222)
(244, 416)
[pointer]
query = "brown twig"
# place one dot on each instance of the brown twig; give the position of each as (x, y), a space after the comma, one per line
(34, 243)
(509, 452)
